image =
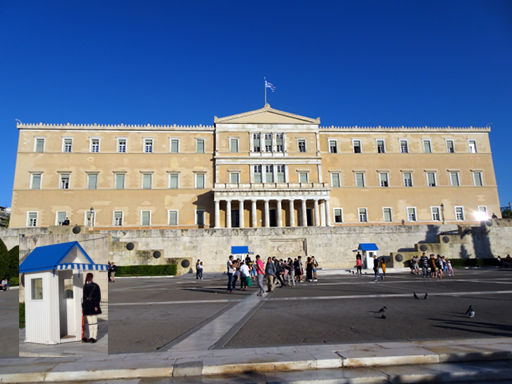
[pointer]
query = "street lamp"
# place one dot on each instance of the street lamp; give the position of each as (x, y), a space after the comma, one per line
(442, 212)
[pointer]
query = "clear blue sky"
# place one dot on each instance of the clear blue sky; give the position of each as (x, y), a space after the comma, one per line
(348, 62)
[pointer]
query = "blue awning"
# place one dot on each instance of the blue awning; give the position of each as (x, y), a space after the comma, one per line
(368, 247)
(239, 249)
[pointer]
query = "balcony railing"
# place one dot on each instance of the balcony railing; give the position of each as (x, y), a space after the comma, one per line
(253, 186)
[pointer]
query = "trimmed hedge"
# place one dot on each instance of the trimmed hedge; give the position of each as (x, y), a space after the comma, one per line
(14, 281)
(458, 263)
(22, 315)
(147, 270)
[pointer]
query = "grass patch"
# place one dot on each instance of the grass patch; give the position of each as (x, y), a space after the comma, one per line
(22, 315)
(147, 270)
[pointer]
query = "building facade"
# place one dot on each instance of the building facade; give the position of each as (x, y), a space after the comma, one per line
(263, 168)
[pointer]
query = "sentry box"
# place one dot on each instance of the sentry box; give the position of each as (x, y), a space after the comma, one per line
(53, 280)
(368, 251)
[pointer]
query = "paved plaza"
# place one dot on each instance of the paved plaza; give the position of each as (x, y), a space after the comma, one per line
(173, 314)
(9, 323)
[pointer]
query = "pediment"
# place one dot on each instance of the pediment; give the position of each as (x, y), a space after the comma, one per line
(266, 115)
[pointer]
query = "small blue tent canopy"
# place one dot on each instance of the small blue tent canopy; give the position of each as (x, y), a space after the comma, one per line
(239, 249)
(368, 247)
(51, 257)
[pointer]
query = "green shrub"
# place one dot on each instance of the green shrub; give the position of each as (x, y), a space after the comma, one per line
(460, 263)
(147, 270)
(14, 281)
(22, 315)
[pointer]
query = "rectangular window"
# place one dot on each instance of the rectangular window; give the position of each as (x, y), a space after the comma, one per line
(388, 217)
(431, 179)
(384, 179)
(482, 213)
(477, 178)
(92, 181)
(256, 142)
(200, 184)
(459, 213)
(199, 146)
(145, 218)
(411, 214)
(257, 174)
(404, 146)
(90, 218)
(31, 219)
(472, 146)
(427, 146)
(37, 289)
(60, 217)
(268, 142)
(233, 145)
(454, 179)
(303, 177)
(200, 217)
(279, 142)
(119, 180)
(269, 173)
(360, 179)
(281, 173)
(95, 145)
(35, 181)
(450, 146)
(333, 146)
(175, 145)
(173, 217)
(407, 179)
(234, 177)
(357, 146)
(67, 144)
(381, 146)
(147, 181)
(335, 180)
(363, 215)
(121, 145)
(436, 213)
(302, 145)
(173, 180)
(338, 215)
(64, 181)
(148, 145)
(118, 218)
(39, 145)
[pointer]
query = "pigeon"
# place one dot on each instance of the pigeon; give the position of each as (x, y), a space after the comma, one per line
(470, 312)
(416, 296)
(383, 316)
(382, 310)
(425, 297)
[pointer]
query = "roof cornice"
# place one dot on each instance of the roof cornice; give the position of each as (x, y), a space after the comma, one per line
(380, 128)
(105, 127)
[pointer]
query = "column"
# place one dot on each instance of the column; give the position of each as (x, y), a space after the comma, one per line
(327, 214)
(241, 213)
(267, 221)
(228, 213)
(303, 212)
(279, 218)
(217, 213)
(317, 213)
(292, 213)
(254, 223)
(322, 213)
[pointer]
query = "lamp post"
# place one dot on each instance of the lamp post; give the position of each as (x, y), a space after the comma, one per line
(442, 212)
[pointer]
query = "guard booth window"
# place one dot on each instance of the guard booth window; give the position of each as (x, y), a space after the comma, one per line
(37, 289)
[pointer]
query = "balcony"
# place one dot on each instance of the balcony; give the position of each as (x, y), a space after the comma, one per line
(269, 186)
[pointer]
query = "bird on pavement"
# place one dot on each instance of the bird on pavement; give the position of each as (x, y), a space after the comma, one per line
(426, 295)
(416, 296)
(382, 310)
(383, 316)
(470, 312)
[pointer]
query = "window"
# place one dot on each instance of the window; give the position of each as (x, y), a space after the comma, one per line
(450, 147)
(477, 178)
(303, 177)
(147, 180)
(31, 219)
(454, 179)
(173, 217)
(257, 174)
(459, 213)
(363, 215)
(95, 145)
(360, 179)
(256, 142)
(39, 144)
(92, 181)
(174, 145)
(472, 146)
(234, 177)
(145, 218)
(90, 218)
(384, 179)
(268, 142)
(302, 145)
(233, 145)
(431, 179)
(67, 144)
(200, 217)
(427, 146)
(60, 217)
(280, 142)
(482, 213)
(35, 180)
(404, 146)
(411, 213)
(64, 181)
(407, 179)
(335, 180)
(118, 218)
(119, 181)
(200, 184)
(281, 173)
(386, 211)
(381, 146)
(199, 145)
(333, 146)
(148, 145)
(436, 213)
(121, 145)
(37, 288)
(269, 173)
(357, 146)
(173, 180)
(338, 215)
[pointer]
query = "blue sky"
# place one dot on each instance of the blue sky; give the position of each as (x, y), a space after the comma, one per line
(348, 62)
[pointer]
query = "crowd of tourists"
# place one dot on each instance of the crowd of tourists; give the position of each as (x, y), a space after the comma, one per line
(431, 266)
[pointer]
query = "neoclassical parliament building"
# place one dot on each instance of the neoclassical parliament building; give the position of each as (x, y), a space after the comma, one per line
(263, 168)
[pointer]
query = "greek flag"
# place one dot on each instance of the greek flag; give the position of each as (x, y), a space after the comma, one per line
(270, 85)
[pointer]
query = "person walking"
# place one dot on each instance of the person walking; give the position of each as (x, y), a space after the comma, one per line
(244, 276)
(230, 272)
(91, 308)
(359, 264)
(291, 272)
(279, 272)
(315, 266)
(113, 273)
(383, 265)
(424, 265)
(260, 270)
(270, 274)
(377, 268)
(197, 269)
(309, 270)
(200, 270)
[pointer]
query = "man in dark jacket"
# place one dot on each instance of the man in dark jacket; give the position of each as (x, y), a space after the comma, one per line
(91, 308)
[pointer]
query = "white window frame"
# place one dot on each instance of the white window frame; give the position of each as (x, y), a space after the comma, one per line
(485, 210)
(283, 140)
(86, 215)
(141, 217)
(463, 213)
(301, 173)
(384, 214)
(403, 179)
(178, 181)
(114, 218)
(198, 140)
(253, 144)
(380, 179)
(334, 215)
(31, 186)
(365, 214)
(406, 145)
(453, 145)
(150, 180)
(171, 139)
(91, 144)
(115, 179)
(57, 217)
(435, 179)
(364, 179)
(457, 173)
(169, 217)
(271, 142)
(36, 219)
(88, 174)
(237, 173)
(299, 140)
(144, 145)
(415, 213)
(432, 212)
(360, 146)
(235, 140)
(285, 173)
(69, 180)
(64, 144)
(254, 173)
(383, 144)
(195, 180)
(335, 141)
(332, 179)
(474, 173)
(118, 144)
(429, 141)
(470, 142)
(195, 216)
(35, 143)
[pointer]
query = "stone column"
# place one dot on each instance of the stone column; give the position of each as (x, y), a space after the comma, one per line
(304, 215)
(279, 218)
(241, 213)
(292, 213)
(217, 213)
(254, 223)
(267, 221)
(327, 214)
(317, 213)
(228, 213)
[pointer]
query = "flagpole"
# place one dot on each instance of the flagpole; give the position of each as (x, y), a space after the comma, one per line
(265, 86)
